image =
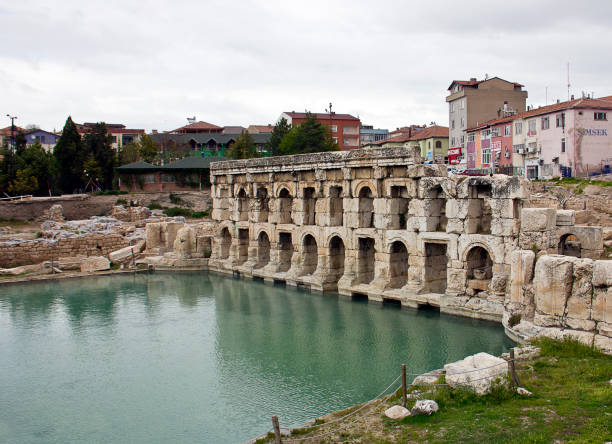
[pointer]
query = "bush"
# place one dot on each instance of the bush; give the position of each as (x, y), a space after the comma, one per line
(176, 200)
(121, 202)
(154, 206)
(177, 211)
(200, 214)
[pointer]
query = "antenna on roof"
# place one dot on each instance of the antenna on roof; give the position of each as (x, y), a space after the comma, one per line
(568, 82)
(191, 119)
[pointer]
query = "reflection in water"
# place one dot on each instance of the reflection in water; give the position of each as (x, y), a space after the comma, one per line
(201, 358)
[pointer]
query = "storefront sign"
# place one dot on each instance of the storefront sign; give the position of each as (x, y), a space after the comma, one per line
(592, 132)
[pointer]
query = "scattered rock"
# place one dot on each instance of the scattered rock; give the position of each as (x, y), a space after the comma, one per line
(95, 263)
(428, 378)
(523, 391)
(397, 412)
(476, 372)
(424, 407)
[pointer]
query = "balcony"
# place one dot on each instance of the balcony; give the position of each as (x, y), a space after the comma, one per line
(350, 130)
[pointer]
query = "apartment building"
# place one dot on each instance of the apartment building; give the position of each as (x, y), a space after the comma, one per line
(472, 102)
(119, 133)
(572, 138)
(345, 128)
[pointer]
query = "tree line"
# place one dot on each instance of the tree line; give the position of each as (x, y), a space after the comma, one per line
(308, 137)
(77, 163)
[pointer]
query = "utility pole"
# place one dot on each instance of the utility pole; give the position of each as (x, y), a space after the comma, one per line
(12, 149)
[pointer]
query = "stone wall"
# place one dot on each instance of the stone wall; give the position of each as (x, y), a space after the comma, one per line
(15, 253)
(369, 222)
(561, 296)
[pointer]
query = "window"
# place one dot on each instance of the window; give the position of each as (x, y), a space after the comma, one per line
(453, 124)
(561, 120)
(563, 145)
(462, 102)
(168, 178)
(545, 123)
(600, 116)
(495, 132)
(452, 141)
(471, 137)
(149, 178)
(485, 134)
(486, 156)
(462, 122)
(335, 139)
(518, 127)
(114, 139)
(334, 128)
(532, 127)
(452, 107)
(429, 144)
(462, 139)
(438, 144)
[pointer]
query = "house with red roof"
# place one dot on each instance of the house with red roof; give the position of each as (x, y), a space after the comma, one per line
(345, 128)
(432, 141)
(198, 127)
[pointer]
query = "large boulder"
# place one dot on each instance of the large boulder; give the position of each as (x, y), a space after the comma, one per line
(553, 283)
(538, 219)
(397, 412)
(125, 254)
(476, 372)
(184, 242)
(424, 407)
(95, 263)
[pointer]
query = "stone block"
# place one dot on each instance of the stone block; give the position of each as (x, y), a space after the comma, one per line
(457, 208)
(580, 324)
(553, 283)
(505, 227)
(153, 235)
(602, 273)
(455, 226)
(95, 263)
(502, 208)
(476, 372)
(456, 279)
(538, 219)
(603, 343)
(565, 217)
(601, 309)
(521, 273)
(579, 302)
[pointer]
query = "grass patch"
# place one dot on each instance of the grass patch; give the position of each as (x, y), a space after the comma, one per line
(110, 192)
(154, 206)
(178, 211)
(571, 402)
(121, 202)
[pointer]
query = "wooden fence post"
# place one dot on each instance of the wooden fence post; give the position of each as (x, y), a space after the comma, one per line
(277, 433)
(513, 375)
(404, 385)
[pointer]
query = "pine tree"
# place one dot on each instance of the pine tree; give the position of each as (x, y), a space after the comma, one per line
(243, 147)
(278, 133)
(308, 137)
(68, 153)
(98, 144)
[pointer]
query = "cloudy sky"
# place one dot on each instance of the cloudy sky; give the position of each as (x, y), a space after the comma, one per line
(151, 63)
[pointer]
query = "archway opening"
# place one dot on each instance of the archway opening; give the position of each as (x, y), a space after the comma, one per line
(263, 249)
(569, 245)
(436, 263)
(285, 204)
(480, 209)
(366, 258)
(243, 205)
(310, 256)
(262, 204)
(336, 206)
(285, 251)
(479, 270)
(309, 206)
(336, 258)
(225, 243)
(398, 267)
(243, 245)
(366, 208)
(399, 208)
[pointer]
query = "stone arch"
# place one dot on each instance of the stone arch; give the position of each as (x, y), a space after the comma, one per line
(337, 255)
(263, 249)
(225, 242)
(478, 263)
(336, 234)
(285, 203)
(366, 207)
(398, 264)
(570, 245)
(467, 249)
(310, 255)
(284, 186)
(371, 184)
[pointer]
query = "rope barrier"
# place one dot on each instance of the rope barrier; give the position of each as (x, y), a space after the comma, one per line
(470, 371)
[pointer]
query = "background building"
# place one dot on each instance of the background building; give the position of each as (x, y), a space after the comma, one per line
(432, 142)
(345, 128)
(369, 134)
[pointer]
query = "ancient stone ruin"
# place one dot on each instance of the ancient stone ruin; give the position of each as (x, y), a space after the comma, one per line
(379, 224)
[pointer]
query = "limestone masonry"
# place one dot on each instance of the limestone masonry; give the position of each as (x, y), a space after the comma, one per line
(382, 225)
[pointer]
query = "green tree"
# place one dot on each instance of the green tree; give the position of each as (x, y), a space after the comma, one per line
(68, 154)
(98, 144)
(128, 153)
(278, 133)
(308, 137)
(91, 170)
(39, 164)
(23, 183)
(243, 147)
(147, 148)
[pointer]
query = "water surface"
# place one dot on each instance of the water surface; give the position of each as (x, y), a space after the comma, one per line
(202, 358)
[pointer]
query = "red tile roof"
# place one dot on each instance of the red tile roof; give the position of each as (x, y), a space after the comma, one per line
(198, 126)
(7, 131)
(322, 116)
(425, 133)
(262, 128)
(599, 103)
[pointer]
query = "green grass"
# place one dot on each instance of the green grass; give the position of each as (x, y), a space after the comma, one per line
(11, 222)
(178, 211)
(571, 403)
(154, 206)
